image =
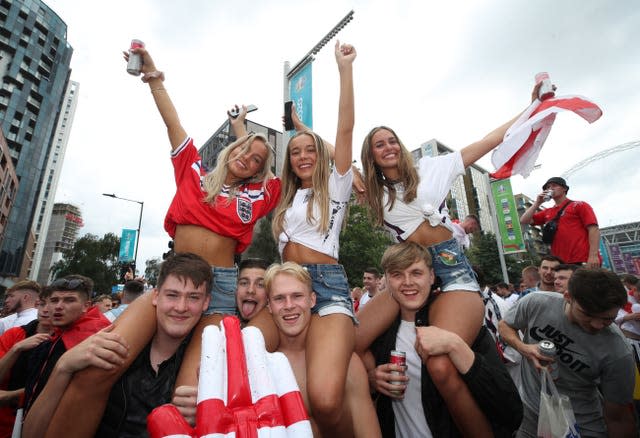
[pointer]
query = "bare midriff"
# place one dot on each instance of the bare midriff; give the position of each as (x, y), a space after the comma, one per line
(295, 252)
(217, 250)
(426, 235)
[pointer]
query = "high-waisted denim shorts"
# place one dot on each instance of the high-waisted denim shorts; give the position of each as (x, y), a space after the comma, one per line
(223, 291)
(332, 290)
(452, 267)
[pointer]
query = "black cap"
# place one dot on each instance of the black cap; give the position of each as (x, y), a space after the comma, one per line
(556, 180)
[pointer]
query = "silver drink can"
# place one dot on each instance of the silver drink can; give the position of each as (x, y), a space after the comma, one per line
(548, 348)
(548, 195)
(397, 358)
(134, 66)
(546, 90)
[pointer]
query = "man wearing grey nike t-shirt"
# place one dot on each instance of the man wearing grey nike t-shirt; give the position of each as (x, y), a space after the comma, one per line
(593, 359)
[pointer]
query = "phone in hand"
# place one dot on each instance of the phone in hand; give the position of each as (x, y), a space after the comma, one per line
(234, 113)
(288, 121)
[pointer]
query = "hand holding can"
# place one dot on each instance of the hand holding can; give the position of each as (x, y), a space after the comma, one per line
(134, 65)
(548, 349)
(546, 89)
(397, 358)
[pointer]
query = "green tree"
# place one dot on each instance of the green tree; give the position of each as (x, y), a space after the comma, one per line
(361, 244)
(484, 254)
(93, 257)
(152, 270)
(263, 246)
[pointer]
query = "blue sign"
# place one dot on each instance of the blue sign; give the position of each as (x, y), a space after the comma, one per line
(127, 245)
(300, 93)
(606, 263)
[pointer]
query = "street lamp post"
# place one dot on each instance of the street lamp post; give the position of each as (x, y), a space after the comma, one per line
(112, 195)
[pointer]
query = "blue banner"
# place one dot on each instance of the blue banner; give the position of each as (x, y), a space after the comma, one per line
(301, 94)
(127, 245)
(606, 263)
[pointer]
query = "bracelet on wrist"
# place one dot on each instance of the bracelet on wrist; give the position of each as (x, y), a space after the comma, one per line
(153, 75)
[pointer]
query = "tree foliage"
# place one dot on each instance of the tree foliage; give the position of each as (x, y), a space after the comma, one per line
(93, 257)
(152, 270)
(484, 254)
(361, 244)
(263, 245)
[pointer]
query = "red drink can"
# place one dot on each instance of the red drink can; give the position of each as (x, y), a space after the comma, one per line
(546, 90)
(134, 66)
(397, 358)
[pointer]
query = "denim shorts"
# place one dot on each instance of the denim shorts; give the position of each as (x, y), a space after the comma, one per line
(223, 291)
(452, 267)
(332, 290)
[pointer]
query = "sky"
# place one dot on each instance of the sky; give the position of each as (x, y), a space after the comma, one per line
(447, 70)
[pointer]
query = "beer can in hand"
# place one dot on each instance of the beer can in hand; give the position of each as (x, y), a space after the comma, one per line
(548, 348)
(548, 195)
(134, 66)
(546, 90)
(397, 358)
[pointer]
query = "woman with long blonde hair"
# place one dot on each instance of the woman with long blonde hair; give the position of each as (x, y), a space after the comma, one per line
(307, 223)
(211, 215)
(408, 202)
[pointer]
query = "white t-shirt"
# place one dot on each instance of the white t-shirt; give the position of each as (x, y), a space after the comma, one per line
(437, 174)
(18, 319)
(298, 230)
(364, 299)
(408, 412)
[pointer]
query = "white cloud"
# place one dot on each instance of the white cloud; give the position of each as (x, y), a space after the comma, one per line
(452, 71)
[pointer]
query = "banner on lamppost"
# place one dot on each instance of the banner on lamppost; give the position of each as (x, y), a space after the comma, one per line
(300, 94)
(127, 245)
(507, 216)
(606, 262)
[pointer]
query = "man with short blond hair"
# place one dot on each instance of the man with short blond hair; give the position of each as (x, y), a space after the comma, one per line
(291, 298)
(20, 300)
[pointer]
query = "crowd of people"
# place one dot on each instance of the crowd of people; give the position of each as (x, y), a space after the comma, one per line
(471, 359)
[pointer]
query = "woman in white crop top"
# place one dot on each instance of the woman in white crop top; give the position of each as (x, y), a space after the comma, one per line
(307, 223)
(407, 202)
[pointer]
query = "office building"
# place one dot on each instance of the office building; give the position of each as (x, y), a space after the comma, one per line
(222, 137)
(65, 223)
(470, 193)
(52, 176)
(8, 184)
(34, 73)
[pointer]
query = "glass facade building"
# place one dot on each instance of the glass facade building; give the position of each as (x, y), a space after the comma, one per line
(34, 73)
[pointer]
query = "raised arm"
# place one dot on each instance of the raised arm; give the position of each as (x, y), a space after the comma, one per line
(237, 123)
(168, 112)
(527, 216)
(345, 55)
(477, 150)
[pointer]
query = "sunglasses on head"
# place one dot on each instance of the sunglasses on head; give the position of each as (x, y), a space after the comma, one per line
(64, 283)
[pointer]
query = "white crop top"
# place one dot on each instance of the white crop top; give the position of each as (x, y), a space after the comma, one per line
(437, 175)
(298, 230)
